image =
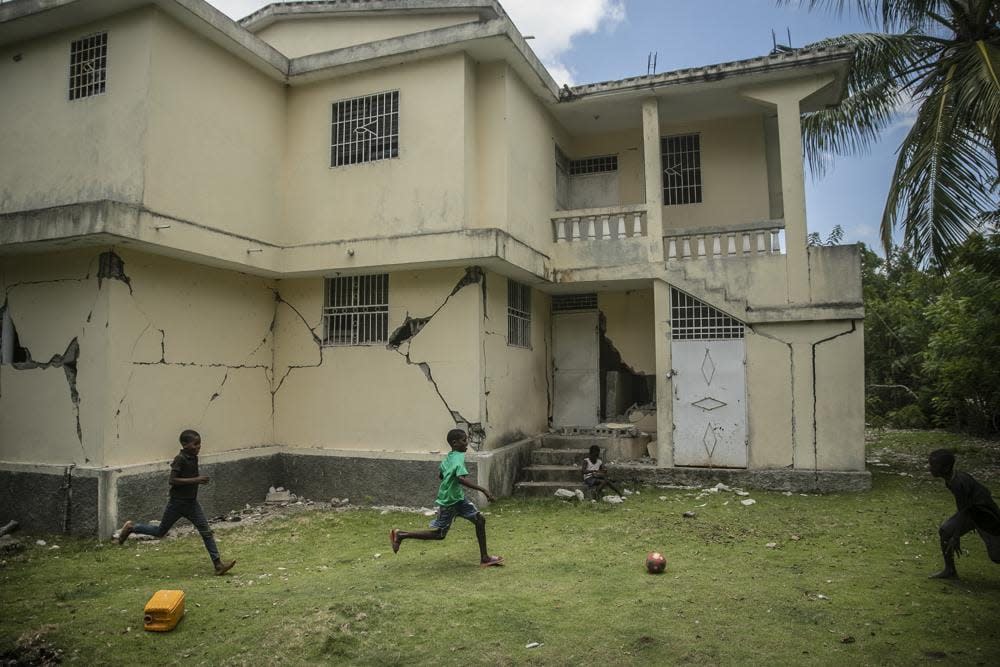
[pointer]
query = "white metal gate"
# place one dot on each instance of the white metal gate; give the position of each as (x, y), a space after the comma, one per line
(709, 382)
(576, 399)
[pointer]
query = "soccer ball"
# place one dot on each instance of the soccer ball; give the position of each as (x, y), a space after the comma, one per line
(655, 563)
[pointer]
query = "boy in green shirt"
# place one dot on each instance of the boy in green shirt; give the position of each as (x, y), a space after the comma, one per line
(451, 502)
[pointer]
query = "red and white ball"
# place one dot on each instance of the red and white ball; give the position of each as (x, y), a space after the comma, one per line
(655, 562)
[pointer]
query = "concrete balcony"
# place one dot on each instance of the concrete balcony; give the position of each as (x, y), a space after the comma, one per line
(600, 224)
(744, 240)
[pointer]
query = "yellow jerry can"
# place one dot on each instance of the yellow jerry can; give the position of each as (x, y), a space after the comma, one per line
(163, 611)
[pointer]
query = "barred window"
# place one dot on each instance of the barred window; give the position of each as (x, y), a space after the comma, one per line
(681, 162)
(693, 319)
(593, 165)
(567, 303)
(518, 314)
(88, 66)
(365, 129)
(356, 310)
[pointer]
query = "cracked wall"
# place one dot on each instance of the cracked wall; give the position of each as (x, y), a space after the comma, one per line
(516, 381)
(189, 347)
(805, 394)
(50, 402)
(378, 397)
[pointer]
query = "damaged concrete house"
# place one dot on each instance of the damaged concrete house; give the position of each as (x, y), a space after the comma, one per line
(327, 233)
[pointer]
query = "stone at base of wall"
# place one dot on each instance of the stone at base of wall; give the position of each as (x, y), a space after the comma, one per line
(782, 479)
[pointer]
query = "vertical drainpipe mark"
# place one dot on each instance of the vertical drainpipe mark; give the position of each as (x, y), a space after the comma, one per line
(67, 496)
(815, 426)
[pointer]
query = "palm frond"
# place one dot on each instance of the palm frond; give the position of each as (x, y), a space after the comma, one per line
(939, 191)
(888, 15)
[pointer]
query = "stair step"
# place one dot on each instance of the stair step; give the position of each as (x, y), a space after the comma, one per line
(558, 456)
(563, 474)
(543, 489)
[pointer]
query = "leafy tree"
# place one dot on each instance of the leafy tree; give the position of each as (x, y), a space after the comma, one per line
(962, 360)
(932, 338)
(943, 56)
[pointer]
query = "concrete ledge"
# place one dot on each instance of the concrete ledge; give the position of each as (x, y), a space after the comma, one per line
(44, 502)
(499, 469)
(785, 479)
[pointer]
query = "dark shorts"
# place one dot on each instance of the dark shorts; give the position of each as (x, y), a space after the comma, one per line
(591, 482)
(446, 515)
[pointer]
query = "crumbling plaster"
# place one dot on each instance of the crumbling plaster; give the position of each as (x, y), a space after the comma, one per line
(402, 397)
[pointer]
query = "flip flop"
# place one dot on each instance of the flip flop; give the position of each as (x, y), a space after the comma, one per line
(394, 541)
(494, 561)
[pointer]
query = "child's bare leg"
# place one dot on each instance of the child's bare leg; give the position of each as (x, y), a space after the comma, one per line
(396, 537)
(485, 559)
(950, 533)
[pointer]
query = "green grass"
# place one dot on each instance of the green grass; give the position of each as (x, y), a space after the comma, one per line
(845, 583)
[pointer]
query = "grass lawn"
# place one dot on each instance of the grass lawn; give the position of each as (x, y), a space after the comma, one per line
(789, 580)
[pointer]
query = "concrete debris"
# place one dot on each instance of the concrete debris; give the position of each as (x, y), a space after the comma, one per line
(10, 544)
(721, 487)
(339, 502)
(748, 502)
(564, 493)
(614, 500)
(771, 545)
(579, 494)
(40, 543)
(689, 514)
(627, 492)
(279, 495)
(534, 645)
(740, 492)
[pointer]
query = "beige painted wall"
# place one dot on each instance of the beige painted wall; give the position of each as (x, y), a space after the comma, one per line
(298, 37)
(516, 381)
(627, 145)
(630, 326)
(420, 191)
(81, 150)
(782, 390)
(53, 299)
(371, 397)
(734, 174)
(189, 347)
(491, 137)
(216, 136)
(532, 171)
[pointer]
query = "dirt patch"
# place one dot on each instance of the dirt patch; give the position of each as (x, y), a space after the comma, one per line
(32, 649)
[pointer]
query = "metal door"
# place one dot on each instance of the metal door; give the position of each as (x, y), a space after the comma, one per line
(576, 381)
(709, 385)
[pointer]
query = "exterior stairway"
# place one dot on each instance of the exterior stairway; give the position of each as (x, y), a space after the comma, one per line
(556, 463)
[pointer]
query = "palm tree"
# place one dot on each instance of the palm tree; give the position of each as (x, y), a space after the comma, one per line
(943, 58)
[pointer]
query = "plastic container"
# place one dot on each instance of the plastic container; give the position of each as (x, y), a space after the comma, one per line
(163, 611)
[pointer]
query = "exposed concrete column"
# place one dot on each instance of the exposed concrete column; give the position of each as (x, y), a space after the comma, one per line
(664, 383)
(654, 180)
(786, 98)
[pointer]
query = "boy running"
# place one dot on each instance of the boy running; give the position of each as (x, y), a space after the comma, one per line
(451, 502)
(184, 481)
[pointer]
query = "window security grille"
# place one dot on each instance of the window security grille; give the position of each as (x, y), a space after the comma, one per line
(681, 162)
(356, 310)
(88, 66)
(365, 129)
(593, 165)
(565, 303)
(692, 319)
(518, 314)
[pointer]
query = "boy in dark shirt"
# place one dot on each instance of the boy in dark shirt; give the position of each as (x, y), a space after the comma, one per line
(184, 481)
(451, 502)
(976, 511)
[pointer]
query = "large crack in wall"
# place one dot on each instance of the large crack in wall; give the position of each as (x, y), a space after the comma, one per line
(412, 326)
(20, 356)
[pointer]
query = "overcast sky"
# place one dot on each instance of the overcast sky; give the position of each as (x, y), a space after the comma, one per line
(583, 41)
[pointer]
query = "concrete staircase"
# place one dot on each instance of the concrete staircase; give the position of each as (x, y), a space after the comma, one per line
(556, 463)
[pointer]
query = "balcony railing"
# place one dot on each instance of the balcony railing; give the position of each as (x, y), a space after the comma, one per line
(762, 238)
(599, 224)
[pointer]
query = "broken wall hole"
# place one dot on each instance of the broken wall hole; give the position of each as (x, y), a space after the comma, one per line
(11, 351)
(112, 267)
(410, 327)
(621, 385)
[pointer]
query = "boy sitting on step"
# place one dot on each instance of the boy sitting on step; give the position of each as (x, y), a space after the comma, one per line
(595, 474)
